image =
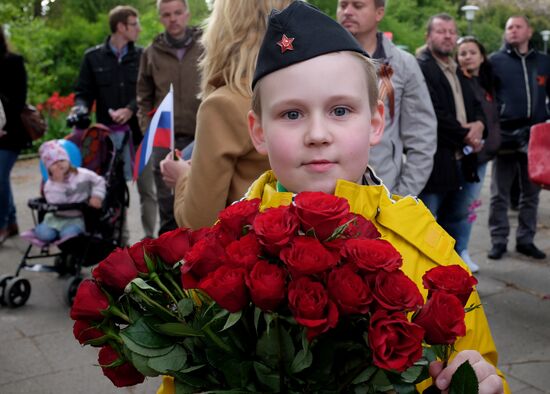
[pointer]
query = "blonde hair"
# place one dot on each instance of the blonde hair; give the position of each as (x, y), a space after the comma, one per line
(232, 37)
(370, 76)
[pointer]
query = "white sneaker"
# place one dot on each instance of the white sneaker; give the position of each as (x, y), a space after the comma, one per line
(468, 260)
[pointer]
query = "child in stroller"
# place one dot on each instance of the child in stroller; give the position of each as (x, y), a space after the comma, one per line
(103, 227)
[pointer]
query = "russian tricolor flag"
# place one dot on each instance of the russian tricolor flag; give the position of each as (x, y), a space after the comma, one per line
(160, 133)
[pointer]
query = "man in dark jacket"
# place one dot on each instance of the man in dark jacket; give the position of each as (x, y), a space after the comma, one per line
(460, 124)
(522, 89)
(108, 77)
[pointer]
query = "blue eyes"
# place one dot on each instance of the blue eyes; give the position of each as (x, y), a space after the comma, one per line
(292, 115)
(338, 112)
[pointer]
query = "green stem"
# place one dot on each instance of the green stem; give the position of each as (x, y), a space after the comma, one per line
(157, 280)
(175, 284)
(216, 339)
(115, 311)
(153, 303)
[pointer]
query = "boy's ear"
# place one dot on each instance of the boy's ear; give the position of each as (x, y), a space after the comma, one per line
(256, 132)
(377, 123)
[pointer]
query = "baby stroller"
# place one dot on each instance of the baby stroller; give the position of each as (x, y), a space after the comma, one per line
(103, 227)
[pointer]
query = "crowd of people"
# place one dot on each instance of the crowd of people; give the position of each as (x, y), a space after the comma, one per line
(248, 98)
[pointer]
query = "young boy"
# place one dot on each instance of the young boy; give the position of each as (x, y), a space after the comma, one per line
(315, 114)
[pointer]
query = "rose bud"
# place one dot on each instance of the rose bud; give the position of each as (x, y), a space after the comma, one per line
(243, 253)
(395, 291)
(89, 302)
(372, 255)
(443, 319)
(396, 343)
(350, 292)
(275, 228)
(83, 331)
(137, 253)
(450, 279)
(120, 372)
(320, 212)
(238, 215)
(267, 285)
(311, 306)
(116, 271)
(171, 246)
(227, 287)
(307, 256)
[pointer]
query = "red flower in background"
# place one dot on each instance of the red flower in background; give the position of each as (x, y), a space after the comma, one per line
(372, 255)
(267, 285)
(89, 302)
(443, 319)
(275, 228)
(320, 212)
(120, 372)
(172, 246)
(116, 271)
(395, 291)
(350, 292)
(396, 343)
(244, 252)
(203, 258)
(450, 279)
(236, 216)
(306, 256)
(83, 331)
(227, 287)
(137, 253)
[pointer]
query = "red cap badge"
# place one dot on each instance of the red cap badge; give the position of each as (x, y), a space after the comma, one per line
(286, 44)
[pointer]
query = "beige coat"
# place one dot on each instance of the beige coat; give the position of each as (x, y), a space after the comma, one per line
(224, 162)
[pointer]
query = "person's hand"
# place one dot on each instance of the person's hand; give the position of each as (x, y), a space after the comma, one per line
(489, 381)
(172, 170)
(95, 202)
(474, 138)
(121, 115)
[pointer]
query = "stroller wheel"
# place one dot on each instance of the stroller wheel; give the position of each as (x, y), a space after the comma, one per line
(72, 287)
(3, 281)
(17, 292)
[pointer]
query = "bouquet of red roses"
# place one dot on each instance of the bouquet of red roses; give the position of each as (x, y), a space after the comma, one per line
(299, 298)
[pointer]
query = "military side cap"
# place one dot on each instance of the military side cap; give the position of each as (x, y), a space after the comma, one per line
(298, 33)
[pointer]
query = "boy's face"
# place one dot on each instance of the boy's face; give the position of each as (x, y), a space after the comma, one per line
(316, 124)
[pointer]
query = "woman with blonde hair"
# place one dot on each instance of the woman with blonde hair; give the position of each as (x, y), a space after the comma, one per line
(224, 162)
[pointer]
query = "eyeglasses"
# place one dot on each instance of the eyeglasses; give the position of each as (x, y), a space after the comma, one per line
(133, 24)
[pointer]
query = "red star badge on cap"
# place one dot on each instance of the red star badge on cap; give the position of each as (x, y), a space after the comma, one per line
(286, 44)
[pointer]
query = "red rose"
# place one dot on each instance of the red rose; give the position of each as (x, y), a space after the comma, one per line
(203, 258)
(244, 252)
(227, 287)
(83, 331)
(137, 252)
(395, 291)
(320, 212)
(267, 285)
(451, 279)
(311, 306)
(120, 372)
(443, 319)
(238, 215)
(359, 227)
(396, 343)
(172, 246)
(89, 302)
(116, 271)
(372, 255)
(275, 228)
(350, 292)
(307, 256)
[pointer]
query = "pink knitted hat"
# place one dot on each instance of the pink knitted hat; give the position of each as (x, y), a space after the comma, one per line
(51, 152)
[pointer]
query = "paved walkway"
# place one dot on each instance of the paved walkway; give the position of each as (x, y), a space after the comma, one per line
(38, 353)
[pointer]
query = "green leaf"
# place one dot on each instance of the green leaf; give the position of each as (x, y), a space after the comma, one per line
(257, 315)
(185, 307)
(149, 262)
(142, 350)
(365, 375)
(464, 380)
(232, 319)
(403, 388)
(140, 333)
(171, 361)
(411, 374)
(303, 360)
(143, 285)
(140, 363)
(381, 382)
(267, 377)
(178, 330)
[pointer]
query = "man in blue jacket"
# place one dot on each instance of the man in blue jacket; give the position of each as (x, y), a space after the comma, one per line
(522, 90)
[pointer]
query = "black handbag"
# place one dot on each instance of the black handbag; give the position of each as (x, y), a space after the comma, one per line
(516, 140)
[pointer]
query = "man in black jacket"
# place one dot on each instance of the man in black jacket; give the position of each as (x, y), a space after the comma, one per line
(108, 77)
(522, 89)
(460, 130)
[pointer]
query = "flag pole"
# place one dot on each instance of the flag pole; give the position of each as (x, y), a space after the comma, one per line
(172, 147)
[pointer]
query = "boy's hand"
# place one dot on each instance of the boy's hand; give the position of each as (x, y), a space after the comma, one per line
(95, 202)
(172, 170)
(489, 381)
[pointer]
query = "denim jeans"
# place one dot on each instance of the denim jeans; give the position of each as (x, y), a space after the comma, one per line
(453, 209)
(7, 207)
(48, 234)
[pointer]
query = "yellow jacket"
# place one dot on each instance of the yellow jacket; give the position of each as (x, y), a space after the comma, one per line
(410, 227)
